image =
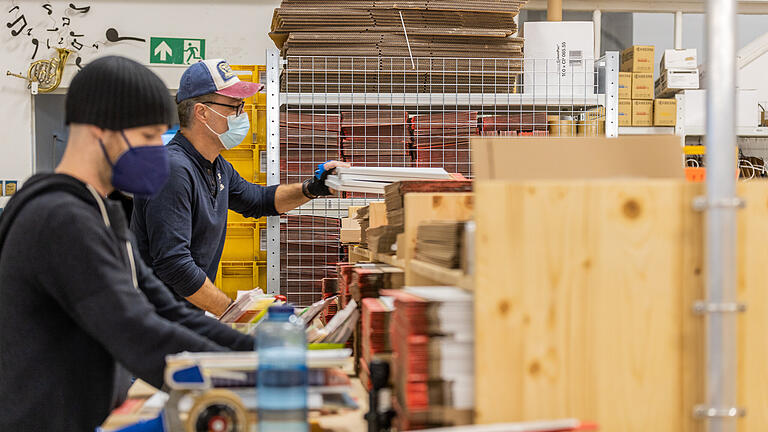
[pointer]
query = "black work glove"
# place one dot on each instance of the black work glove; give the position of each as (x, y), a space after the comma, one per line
(315, 187)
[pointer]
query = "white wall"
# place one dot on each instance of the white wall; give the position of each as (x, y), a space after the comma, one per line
(659, 30)
(234, 29)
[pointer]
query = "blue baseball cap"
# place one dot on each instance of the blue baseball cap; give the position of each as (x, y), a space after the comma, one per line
(214, 76)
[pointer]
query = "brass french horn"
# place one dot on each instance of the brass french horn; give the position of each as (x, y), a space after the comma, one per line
(47, 73)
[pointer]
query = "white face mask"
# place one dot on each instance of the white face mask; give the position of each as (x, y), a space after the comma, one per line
(238, 127)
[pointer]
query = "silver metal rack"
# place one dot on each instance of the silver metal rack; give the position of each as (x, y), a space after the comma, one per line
(407, 112)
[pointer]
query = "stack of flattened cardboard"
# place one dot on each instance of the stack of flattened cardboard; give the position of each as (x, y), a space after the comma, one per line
(435, 29)
(440, 243)
(307, 139)
(376, 138)
(394, 195)
(431, 333)
(376, 313)
(369, 279)
(310, 249)
(441, 140)
(520, 123)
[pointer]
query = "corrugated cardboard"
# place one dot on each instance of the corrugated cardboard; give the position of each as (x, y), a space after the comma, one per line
(642, 113)
(684, 59)
(625, 112)
(559, 58)
(512, 158)
(664, 112)
(637, 59)
(671, 82)
(350, 235)
(625, 85)
(642, 86)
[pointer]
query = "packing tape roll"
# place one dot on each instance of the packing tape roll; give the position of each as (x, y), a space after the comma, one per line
(217, 410)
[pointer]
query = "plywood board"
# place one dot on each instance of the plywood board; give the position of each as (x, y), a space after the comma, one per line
(578, 282)
(378, 214)
(430, 207)
(752, 343)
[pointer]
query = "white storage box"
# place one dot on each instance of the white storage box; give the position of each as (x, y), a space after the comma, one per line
(695, 102)
(559, 59)
(683, 59)
(673, 81)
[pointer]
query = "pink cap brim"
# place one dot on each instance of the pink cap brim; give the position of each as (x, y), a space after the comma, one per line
(241, 90)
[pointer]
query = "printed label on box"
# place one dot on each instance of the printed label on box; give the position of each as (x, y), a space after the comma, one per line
(263, 239)
(9, 187)
(263, 161)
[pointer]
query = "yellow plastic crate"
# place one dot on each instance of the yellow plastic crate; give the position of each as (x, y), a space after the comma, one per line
(242, 242)
(235, 218)
(237, 276)
(246, 162)
(251, 73)
(262, 251)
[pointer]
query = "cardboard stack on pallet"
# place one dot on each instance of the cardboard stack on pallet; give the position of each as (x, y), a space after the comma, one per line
(637, 106)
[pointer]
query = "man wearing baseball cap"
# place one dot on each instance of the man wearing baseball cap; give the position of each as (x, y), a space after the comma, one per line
(181, 231)
(77, 304)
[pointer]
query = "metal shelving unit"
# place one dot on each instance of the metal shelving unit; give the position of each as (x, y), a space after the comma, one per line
(458, 98)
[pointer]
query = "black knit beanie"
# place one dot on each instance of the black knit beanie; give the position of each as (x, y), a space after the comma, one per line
(117, 93)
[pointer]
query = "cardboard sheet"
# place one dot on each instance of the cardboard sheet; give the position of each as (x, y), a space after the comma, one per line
(653, 156)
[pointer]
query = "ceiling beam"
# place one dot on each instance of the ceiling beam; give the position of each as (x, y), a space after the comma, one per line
(749, 7)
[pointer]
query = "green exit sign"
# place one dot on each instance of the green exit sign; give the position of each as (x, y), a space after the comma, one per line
(178, 51)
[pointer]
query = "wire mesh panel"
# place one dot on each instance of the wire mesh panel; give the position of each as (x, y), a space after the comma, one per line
(410, 112)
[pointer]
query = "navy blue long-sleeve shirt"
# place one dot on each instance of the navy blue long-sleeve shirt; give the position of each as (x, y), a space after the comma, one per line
(181, 231)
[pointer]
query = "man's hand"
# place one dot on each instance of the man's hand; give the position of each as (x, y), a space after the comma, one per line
(315, 187)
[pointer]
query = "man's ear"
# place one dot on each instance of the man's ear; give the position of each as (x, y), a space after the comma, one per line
(200, 113)
(96, 132)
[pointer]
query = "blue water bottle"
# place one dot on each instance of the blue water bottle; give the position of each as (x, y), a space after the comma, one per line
(282, 379)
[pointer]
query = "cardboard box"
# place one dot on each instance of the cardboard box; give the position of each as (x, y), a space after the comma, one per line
(625, 112)
(671, 82)
(747, 109)
(350, 235)
(642, 86)
(642, 113)
(664, 112)
(509, 158)
(637, 59)
(559, 58)
(684, 59)
(625, 85)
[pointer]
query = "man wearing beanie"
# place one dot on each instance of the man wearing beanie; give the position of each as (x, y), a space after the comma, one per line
(181, 231)
(79, 310)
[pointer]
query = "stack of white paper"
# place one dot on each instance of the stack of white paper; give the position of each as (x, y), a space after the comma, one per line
(374, 179)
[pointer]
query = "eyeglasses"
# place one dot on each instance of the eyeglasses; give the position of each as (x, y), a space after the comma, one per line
(238, 108)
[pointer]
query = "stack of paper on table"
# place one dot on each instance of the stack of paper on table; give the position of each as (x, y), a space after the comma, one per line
(249, 307)
(374, 179)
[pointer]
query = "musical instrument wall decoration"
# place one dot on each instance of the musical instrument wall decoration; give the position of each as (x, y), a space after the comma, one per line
(46, 73)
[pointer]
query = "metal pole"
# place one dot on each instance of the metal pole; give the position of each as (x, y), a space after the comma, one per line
(721, 350)
(273, 168)
(679, 30)
(554, 10)
(597, 19)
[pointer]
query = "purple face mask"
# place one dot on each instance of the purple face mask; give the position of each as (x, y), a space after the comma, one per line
(141, 171)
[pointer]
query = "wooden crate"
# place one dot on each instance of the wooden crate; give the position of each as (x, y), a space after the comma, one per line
(584, 294)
